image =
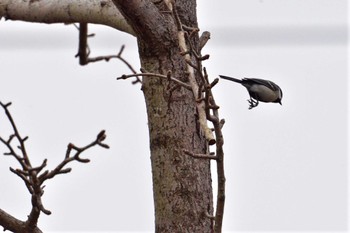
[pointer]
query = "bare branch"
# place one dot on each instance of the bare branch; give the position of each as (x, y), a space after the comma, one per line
(32, 177)
(73, 154)
(22, 159)
(156, 75)
(39, 168)
(200, 156)
(10, 223)
(195, 89)
(218, 124)
(207, 106)
(24, 177)
(84, 51)
(65, 11)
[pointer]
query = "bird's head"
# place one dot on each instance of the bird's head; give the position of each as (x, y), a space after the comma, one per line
(280, 95)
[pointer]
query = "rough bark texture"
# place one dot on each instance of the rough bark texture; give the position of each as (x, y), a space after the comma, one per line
(181, 184)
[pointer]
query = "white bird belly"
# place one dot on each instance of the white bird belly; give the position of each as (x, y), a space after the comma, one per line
(264, 93)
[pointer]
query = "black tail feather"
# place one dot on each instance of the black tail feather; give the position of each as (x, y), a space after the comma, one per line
(231, 79)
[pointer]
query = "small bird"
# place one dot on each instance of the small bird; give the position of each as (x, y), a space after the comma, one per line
(259, 90)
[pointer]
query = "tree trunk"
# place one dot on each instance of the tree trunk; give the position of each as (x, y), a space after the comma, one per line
(181, 184)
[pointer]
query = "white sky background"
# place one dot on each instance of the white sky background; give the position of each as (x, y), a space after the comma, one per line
(286, 166)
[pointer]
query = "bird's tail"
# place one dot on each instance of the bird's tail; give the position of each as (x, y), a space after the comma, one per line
(231, 79)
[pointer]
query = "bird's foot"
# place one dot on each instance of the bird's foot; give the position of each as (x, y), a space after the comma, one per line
(253, 103)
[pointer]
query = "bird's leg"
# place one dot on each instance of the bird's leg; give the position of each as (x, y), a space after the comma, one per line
(253, 103)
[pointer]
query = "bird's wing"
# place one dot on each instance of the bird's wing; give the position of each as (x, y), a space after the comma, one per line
(264, 82)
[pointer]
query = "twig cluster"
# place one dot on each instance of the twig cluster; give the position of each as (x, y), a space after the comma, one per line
(35, 176)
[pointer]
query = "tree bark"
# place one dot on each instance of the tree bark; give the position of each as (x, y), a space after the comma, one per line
(181, 184)
(10, 223)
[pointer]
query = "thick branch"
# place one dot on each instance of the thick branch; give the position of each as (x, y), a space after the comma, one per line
(10, 223)
(65, 11)
(150, 25)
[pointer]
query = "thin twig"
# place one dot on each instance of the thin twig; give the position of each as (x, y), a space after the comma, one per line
(124, 76)
(200, 156)
(83, 51)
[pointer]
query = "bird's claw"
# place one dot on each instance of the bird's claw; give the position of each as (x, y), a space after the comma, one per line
(253, 103)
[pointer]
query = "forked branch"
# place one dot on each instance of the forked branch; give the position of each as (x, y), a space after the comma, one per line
(84, 51)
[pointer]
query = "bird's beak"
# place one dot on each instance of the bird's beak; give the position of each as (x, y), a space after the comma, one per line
(280, 102)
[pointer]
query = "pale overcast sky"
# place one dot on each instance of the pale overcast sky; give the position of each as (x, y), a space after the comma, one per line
(286, 165)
